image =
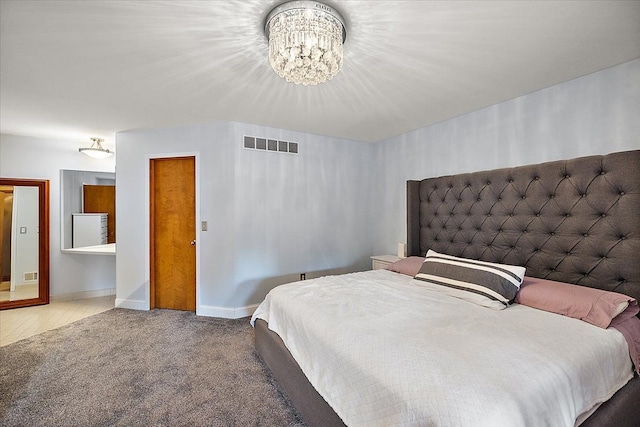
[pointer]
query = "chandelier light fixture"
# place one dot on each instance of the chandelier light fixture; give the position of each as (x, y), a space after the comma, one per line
(96, 150)
(305, 41)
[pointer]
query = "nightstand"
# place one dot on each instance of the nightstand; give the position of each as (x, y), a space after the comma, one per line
(382, 261)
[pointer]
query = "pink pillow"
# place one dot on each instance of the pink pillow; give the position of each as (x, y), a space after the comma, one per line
(629, 326)
(409, 266)
(594, 306)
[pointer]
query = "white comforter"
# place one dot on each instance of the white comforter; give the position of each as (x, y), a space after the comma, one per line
(385, 352)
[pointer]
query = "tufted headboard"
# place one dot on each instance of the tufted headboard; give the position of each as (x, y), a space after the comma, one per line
(574, 221)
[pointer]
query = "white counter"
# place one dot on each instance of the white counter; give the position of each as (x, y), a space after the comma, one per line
(108, 249)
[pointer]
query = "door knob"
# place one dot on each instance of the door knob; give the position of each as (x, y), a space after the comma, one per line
(193, 243)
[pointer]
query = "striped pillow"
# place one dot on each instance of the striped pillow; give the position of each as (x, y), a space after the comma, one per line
(484, 283)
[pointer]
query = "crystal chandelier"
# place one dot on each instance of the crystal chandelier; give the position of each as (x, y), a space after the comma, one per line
(305, 41)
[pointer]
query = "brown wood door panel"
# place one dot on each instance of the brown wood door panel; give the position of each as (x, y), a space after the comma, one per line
(101, 199)
(3, 195)
(173, 257)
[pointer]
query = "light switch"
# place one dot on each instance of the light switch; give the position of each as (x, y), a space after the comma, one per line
(23, 230)
(204, 225)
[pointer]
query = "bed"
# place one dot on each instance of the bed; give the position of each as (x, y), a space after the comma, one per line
(574, 221)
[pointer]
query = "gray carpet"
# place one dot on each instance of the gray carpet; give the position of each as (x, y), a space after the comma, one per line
(138, 368)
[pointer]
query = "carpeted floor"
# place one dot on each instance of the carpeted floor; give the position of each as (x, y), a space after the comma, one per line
(138, 368)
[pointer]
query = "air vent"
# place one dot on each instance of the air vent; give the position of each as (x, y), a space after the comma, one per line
(264, 144)
(30, 276)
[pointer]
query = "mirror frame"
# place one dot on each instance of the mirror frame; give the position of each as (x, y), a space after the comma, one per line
(43, 241)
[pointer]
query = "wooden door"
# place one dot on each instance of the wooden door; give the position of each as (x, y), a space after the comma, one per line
(2, 244)
(173, 233)
(101, 199)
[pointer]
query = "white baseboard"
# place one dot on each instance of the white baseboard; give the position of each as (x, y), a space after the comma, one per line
(225, 312)
(203, 310)
(82, 295)
(132, 304)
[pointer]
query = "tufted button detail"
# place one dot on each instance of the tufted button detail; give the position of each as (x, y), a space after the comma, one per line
(537, 213)
(510, 181)
(603, 215)
(489, 214)
(511, 214)
(537, 178)
(536, 250)
(488, 182)
(585, 235)
(499, 199)
(623, 238)
(553, 269)
(602, 172)
(552, 196)
(500, 230)
(583, 195)
(622, 193)
(553, 233)
(443, 199)
(524, 231)
(604, 257)
(566, 215)
(524, 197)
(567, 176)
(568, 253)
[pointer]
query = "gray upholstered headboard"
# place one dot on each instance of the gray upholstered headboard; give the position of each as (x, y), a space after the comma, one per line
(575, 221)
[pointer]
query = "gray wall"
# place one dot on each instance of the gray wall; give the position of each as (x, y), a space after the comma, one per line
(25, 214)
(595, 114)
(27, 157)
(71, 189)
(271, 215)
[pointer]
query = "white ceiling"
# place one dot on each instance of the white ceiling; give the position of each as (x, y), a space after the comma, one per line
(78, 69)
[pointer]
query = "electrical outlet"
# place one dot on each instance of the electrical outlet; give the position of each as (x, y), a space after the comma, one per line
(303, 276)
(204, 225)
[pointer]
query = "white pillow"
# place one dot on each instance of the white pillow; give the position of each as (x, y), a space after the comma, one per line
(484, 283)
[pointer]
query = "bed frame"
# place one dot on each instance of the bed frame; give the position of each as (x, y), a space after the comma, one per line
(575, 221)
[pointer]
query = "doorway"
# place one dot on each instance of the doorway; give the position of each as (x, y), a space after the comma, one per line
(173, 233)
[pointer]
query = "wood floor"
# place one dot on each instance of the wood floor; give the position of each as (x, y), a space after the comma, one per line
(20, 323)
(21, 292)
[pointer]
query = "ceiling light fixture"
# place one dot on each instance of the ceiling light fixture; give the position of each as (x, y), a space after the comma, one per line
(305, 41)
(96, 151)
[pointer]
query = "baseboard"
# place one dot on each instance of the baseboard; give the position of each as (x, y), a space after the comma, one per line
(225, 312)
(82, 295)
(203, 310)
(132, 304)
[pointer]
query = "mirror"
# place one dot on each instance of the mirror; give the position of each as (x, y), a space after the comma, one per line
(85, 197)
(24, 242)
